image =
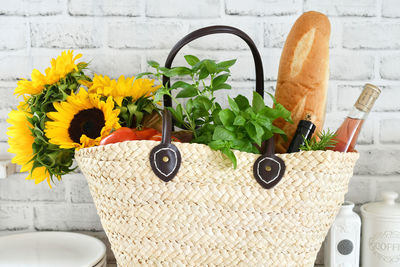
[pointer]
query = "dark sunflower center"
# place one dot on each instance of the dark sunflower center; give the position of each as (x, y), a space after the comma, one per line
(88, 122)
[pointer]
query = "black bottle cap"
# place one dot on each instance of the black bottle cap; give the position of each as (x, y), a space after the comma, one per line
(306, 125)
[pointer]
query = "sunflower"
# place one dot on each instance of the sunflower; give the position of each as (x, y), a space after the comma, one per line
(81, 121)
(60, 67)
(123, 87)
(21, 141)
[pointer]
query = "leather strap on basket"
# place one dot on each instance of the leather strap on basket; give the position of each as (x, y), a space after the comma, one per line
(165, 158)
(268, 168)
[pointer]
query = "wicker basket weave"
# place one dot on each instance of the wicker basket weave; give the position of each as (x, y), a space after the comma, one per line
(210, 213)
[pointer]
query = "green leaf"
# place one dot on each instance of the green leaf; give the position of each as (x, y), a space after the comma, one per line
(279, 131)
(242, 102)
(203, 101)
(226, 64)
(132, 108)
(219, 80)
(230, 155)
(217, 144)
(140, 75)
(158, 96)
(153, 63)
(189, 105)
(203, 73)
(198, 66)
(264, 121)
(191, 60)
(239, 121)
(251, 131)
(233, 105)
(223, 134)
(259, 133)
(180, 84)
(258, 102)
(215, 115)
(210, 65)
(227, 117)
(187, 92)
(222, 86)
(179, 111)
(175, 113)
(177, 71)
(283, 112)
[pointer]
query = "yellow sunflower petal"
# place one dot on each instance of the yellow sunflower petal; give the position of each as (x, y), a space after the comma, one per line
(39, 175)
(88, 84)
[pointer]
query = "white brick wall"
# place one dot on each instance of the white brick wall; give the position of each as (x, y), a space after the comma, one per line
(119, 36)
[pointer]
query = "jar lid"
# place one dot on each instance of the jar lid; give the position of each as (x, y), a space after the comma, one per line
(388, 207)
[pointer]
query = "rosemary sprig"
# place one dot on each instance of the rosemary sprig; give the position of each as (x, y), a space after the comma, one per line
(326, 140)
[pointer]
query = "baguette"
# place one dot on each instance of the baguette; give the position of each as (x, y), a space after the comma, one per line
(303, 74)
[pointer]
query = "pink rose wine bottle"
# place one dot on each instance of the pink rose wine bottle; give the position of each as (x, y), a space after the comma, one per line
(348, 132)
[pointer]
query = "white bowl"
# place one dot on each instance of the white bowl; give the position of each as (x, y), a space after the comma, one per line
(49, 249)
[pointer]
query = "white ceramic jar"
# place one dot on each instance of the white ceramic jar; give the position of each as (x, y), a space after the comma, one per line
(381, 232)
(342, 244)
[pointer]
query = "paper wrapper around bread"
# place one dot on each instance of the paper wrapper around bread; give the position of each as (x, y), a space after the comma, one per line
(303, 74)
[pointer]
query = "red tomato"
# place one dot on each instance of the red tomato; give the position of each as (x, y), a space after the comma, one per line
(126, 134)
(120, 135)
(145, 133)
(158, 137)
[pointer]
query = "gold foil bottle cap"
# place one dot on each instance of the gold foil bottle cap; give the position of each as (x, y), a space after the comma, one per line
(367, 98)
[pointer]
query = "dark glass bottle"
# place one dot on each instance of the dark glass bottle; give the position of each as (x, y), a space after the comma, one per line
(305, 129)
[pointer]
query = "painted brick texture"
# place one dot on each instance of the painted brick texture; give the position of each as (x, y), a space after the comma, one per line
(118, 37)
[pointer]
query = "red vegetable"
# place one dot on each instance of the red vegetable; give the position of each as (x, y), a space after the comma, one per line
(127, 134)
(145, 133)
(158, 137)
(120, 135)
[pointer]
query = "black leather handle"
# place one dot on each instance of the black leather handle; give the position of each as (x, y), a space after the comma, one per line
(213, 30)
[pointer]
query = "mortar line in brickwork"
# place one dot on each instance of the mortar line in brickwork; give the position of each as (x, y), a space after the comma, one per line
(29, 41)
(379, 9)
(334, 95)
(377, 65)
(65, 10)
(222, 7)
(376, 130)
(142, 7)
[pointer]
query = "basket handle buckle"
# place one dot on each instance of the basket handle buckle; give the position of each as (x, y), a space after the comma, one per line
(269, 169)
(165, 158)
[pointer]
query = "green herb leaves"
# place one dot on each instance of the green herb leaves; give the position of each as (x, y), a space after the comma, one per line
(326, 140)
(241, 126)
(203, 78)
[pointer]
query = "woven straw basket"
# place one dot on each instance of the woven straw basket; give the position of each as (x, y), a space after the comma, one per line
(210, 213)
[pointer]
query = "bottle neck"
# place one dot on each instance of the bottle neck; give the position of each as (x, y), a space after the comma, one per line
(347, 208)
(355, 113)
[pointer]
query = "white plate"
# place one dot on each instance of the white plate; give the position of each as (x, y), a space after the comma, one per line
(102, 263)
(49, 249)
